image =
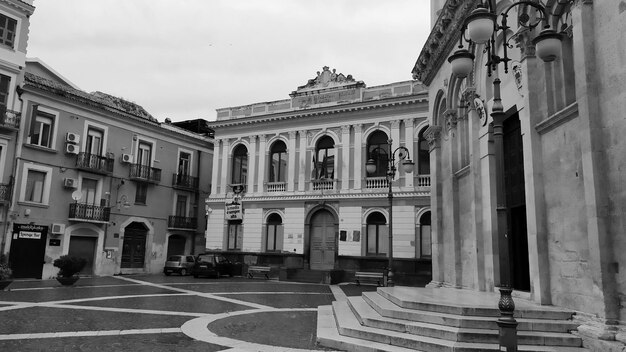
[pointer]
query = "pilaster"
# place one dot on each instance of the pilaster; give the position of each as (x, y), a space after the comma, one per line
(410, 145)
(262, 162)
(358, 158)
(345, 153)
(252, 156)
(224, 165)
(216, 165)
(291, 164)
(303, 160)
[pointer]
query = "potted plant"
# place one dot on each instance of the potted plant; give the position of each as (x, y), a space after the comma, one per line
(5, 275)
(69, 266)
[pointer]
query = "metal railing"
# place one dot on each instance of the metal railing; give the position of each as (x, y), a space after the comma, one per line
(181, 222)
(90, 212)
(145, 173)
(185, 181)
(94, 163)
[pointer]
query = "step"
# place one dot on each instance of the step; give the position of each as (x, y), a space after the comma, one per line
(328, 336)
(348, 325)
(367, 316)
(466, 302)
(386, 308)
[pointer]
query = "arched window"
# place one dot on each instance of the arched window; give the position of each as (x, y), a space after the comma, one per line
(278, 157)
(324, 159)
(423, 157)
(274, 237)
(240, 165)
(378, 150)
(377, 234)
(425, 236)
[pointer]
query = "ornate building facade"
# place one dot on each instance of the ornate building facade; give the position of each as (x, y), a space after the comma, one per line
(564, 157)
(290, 187)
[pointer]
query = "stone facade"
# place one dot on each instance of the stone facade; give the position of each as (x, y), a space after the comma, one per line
(564, 166)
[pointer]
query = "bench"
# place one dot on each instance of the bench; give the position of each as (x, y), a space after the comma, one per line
(379, 277)
(256, 269)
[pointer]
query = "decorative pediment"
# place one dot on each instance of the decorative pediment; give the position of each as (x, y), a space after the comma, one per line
(327, 79)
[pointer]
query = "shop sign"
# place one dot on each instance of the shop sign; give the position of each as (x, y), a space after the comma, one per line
(234, 211)
(29, 231)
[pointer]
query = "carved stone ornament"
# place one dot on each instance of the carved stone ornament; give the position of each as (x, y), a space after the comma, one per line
(450, 117)
(433, 136)
(326, 78)
(480, 110)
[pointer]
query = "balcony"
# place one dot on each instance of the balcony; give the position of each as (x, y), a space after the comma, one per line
(5, 192)
(182, 222)
(145, 173)
(323, 184)
(185, 181)
(376, 182)
(10, 119)
(89, 213)
(423, 181)
(94, 163)
(275, 186)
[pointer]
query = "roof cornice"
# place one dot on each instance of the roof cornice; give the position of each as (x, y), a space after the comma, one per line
(328, 111)
(25, 7)
(443, 37)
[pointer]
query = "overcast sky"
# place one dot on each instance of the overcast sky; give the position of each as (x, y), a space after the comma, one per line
(183, 59)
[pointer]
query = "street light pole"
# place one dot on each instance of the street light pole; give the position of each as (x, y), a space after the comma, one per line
(482, 28)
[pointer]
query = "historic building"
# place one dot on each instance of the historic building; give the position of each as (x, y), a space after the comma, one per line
(290, 187)
(14, 24)
(97, 176)
(564, 156)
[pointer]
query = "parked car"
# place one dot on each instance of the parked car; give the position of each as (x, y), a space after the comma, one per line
(181, 264)
(211, 264)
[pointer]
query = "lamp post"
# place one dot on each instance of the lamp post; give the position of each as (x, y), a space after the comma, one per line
(403, 156)
(482, 28)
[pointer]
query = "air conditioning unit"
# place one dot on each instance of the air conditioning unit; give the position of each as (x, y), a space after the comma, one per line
(71, 148)
(69, 182)
(72, 138)
(58, 229)
(127, 158)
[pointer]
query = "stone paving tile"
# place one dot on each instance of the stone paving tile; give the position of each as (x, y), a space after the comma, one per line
(133, 342)
(45, 319)
(65, 293)
(357, 290)
(83, 281)
(296, 329)
(174, 303)
(252, 286)
(285, 300)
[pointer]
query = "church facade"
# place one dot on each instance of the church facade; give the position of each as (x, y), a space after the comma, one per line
(290, 187)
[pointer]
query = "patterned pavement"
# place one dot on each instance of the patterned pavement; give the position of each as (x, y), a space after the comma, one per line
(159, 313)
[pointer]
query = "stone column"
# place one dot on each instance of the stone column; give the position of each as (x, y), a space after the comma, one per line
(252, 166)
(358, 163)
(225, 165)
(409, 144)
(216, 166)
(433, 135)
(291, 164)
(303, 161)
(262, 162)
(395, 137)
(345, 156)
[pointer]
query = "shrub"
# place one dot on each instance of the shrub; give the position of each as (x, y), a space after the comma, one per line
(69, 265)
(5, 272)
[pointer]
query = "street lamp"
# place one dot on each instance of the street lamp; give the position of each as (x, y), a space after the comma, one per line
(482, 28)
(407, 164)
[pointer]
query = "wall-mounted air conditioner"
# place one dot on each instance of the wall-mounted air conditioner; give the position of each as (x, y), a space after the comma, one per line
(69, 182)
(58, 229)
(71, 148)
(72, 138)
(127, 158)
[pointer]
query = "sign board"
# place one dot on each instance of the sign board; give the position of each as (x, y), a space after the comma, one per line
(233, 211)
(29, 231)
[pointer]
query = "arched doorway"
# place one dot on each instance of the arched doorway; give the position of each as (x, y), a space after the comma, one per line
(323, 240)
(176, 245)
(134, 247)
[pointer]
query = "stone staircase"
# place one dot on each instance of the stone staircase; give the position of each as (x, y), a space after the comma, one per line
(438, 320)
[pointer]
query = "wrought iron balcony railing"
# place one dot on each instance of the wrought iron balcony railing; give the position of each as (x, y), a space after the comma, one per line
(94, 163)
(185, 181)
(89, 212)
(145, 173)
(182, 222)
(5, 192)
(10, 119)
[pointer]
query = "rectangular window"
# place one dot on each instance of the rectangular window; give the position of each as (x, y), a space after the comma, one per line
(94, 142)
(183, 163)
(377, 239)
(235, 235)
(35, 181)
(141, 194)
(88, 191)
(42, 127)
(181, 205)
(8, 27)
(4, 93)
(425, 241)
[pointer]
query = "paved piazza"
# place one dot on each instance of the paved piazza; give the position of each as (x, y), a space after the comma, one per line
(160, 313)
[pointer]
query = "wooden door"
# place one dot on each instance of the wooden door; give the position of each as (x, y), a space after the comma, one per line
(323, 237)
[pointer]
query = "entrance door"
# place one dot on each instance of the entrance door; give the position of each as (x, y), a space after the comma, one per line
(84, 247)
(28, 247)
(176, 245)
(134, 248)
(323, 237)
(516, 203)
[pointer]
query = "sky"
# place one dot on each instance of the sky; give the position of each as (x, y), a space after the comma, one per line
(183, 59)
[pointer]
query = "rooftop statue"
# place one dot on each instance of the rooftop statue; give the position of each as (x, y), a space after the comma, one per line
(326, 79)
